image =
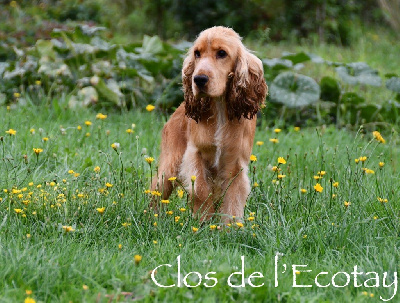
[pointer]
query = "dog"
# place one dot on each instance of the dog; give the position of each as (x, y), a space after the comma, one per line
(210, 135)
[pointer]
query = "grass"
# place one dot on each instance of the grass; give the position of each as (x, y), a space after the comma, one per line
(95, 261)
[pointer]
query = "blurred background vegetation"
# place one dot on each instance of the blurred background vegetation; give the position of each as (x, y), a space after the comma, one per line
(126, 54)
(332, 21)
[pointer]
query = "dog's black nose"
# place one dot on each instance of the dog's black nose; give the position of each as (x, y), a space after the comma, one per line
(200, 80)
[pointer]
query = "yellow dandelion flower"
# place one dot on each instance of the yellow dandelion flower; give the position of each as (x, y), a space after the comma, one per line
(155, 242)
(96, 169)
(88, 123)
(321, 173)
(250, 218)
(68, 229)
(101, 116)
(182, 209)
(259, 143)
(172, 179)
(304, 236)
(193, 178)
(149, 159)
(165, 201)
(115, 145)
(239, 224)
(281, 160)
(11, 132)
(150, 108)
(356, 160)
(129, 131)
(101, 210)
(212, 227)
(180, 193)
(318, 188)
(346, 204)
(37, 151)
(76, 175)
(126, 224)
(363, 158)
(18, 210)
(169, 212)
(177, 218)
(84, 286)
(137, 259)
(255, 184)
(32, 131)
(303, 190)
(317, 177)
(109, 185)
(377, 135)
(28, 299)
(275, 168)
(194, 229)
(274, 140)
(296, 129)
(335, 184)
(280, 177)
(277, 130)
(381, 164)
(28, 292)
(253, 158)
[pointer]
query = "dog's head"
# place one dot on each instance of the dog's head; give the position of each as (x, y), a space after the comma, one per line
(219, 66)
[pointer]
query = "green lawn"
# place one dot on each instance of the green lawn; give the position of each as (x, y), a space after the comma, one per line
(45, 195)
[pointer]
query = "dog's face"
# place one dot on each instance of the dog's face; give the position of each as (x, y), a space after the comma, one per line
(214, 54)
(219, 66)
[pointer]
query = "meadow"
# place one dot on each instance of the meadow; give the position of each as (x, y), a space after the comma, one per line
(76, 225)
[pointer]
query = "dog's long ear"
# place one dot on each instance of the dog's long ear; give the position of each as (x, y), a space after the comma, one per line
(194, 108)
(247, 89)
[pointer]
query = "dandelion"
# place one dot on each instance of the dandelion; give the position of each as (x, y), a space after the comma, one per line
(13, 4)
(180, 193)
(79, 127)
(212, 227)
(169, 212)
(381, 164)
(250, 218)
(150, 108)
(137, 259)
(109, 185)
(28, 299)
(368, 171)
(193, 178)
(85, 287)
(259, 143)
(194, 229)
(275, 168)
(68, 229)
(115, 145)
(318, 188)
(239, 224)
(321, 173)
(253, 158)
(375, 217)
(28, 292)
(96, 169)
(11, 132)
(101, 116)
(382, 200)
(280, 177)
(296, 129)
(363, 158)
(335, 184)
(155, 242)
(377, 135)
(18, 210)
(76, 175)
(129, 131)
(172, 179)
(304, 236)
(281, 160)
(17, 95)
(177, 218)
(182, 209)
(149, 159)
(37, 151)
(155, 193)
(347, 204)
(255, 184)
(32, 131)
(303, 190)
(277, 130)
(38, 82)
(126, 224)
(101, 210)
(88, 123)
(45, 139)
(274, 140)
(357, 160)
(165, 201)
(317, 177)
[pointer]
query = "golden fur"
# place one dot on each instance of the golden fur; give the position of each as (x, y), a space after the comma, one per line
(211, 134)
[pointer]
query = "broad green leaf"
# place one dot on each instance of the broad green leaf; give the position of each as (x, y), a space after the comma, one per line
(359, 73)
(277, 64)
(393, 84)
(330, 89)
(3, 67)
(294, 90)
(45, 48)
(152, 45)
(352, 98)
(106, 92)
(297, 58)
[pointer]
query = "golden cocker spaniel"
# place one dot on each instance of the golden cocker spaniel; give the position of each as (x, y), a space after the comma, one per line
(211, 134)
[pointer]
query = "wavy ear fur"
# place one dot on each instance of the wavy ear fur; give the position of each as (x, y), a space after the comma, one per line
(193, 108)
(247, 89)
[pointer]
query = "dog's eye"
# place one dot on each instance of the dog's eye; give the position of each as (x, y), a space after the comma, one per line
(221, 54)
(197, 54)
